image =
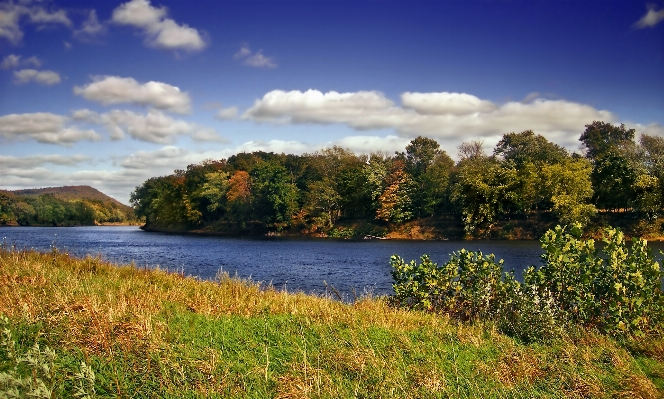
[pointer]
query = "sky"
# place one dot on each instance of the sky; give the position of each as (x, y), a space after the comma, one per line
(110, 93)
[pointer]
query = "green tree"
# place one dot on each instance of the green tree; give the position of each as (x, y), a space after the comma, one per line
(614, 178)
(375, 172)
(527, 147)
(430, 169)
(483, 188)
(323, 203)
(569, 188)
(600, 138)
(275, 193)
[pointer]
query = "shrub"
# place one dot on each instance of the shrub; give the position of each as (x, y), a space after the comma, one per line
(616, 290)
(469, 286)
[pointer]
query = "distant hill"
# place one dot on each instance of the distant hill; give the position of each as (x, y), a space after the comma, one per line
(62, 206)
(71, 193)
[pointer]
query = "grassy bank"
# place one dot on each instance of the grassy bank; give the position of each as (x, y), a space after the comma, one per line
(154, 334)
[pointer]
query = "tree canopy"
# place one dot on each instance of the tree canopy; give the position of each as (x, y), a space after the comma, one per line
(526, 176)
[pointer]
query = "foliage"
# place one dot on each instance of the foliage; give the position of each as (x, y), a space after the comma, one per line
(527, 147)
(601, 138)
(526, 177)
(395, 201)
(484, 189)
(33, 373)
(617, 291)
(48, 208)
(470, 286)
(568, 187)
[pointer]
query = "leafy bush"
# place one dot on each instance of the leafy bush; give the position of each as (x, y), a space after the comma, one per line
(469, 286)
(616, 290)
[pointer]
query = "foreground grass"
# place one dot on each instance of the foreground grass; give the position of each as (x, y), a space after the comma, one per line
(154, 334)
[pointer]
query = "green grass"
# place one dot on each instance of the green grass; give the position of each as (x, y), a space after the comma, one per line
(154, 334)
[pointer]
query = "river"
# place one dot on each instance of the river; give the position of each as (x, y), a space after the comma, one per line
(351, 267)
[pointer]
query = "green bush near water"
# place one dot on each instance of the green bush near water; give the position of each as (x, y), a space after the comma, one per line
(617, 291)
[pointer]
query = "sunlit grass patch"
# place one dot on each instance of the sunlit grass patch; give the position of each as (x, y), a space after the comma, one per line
(149, 333)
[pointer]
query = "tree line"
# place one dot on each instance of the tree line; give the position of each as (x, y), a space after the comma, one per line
(525, 177)
(49, 210)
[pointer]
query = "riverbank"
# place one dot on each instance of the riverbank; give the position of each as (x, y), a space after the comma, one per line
(432, 228)
(152, 333)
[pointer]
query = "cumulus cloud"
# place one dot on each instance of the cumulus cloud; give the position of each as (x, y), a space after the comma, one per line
(43, 127)
(227, 113)
(312, 106)
(444, 116)
(14, 61)
(11, 16)
(651, 18)
(90, 29)
(445, 103)
(45, 77)
(256, 60)
(165, 159)
(86, 115)
(11, 61)
(115, 90)
(32, 161)
(153, 127)
(159, 31)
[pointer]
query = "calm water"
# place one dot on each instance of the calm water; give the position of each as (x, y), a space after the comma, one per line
(292, 264)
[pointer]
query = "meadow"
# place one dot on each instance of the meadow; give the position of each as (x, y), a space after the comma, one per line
(85, 328)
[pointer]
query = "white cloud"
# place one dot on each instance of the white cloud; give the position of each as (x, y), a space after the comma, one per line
(11, 61)
(114, 90)
(227, 113)
(32, 161)
(67, 136)
(651, 18)
(313, 106)
(369, 144)
(12, 14)
(43, 127)
(14, 61)
(159, 31)
(166, 159)
(153, 127)
(653, 129)
(207, 135)
(45, 77)
(90, 29)
(256, 60)
(86, 115)
(445, 103)
(39, 15)
(448, 117)
(40, 122)
(242, 52)
(34, 61)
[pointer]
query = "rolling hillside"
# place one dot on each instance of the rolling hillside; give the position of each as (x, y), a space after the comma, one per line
(62, 206)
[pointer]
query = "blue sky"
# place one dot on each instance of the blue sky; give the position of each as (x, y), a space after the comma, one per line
(111, 93)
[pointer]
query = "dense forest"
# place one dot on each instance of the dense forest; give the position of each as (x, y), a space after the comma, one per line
(526, 181)
(62, 206)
